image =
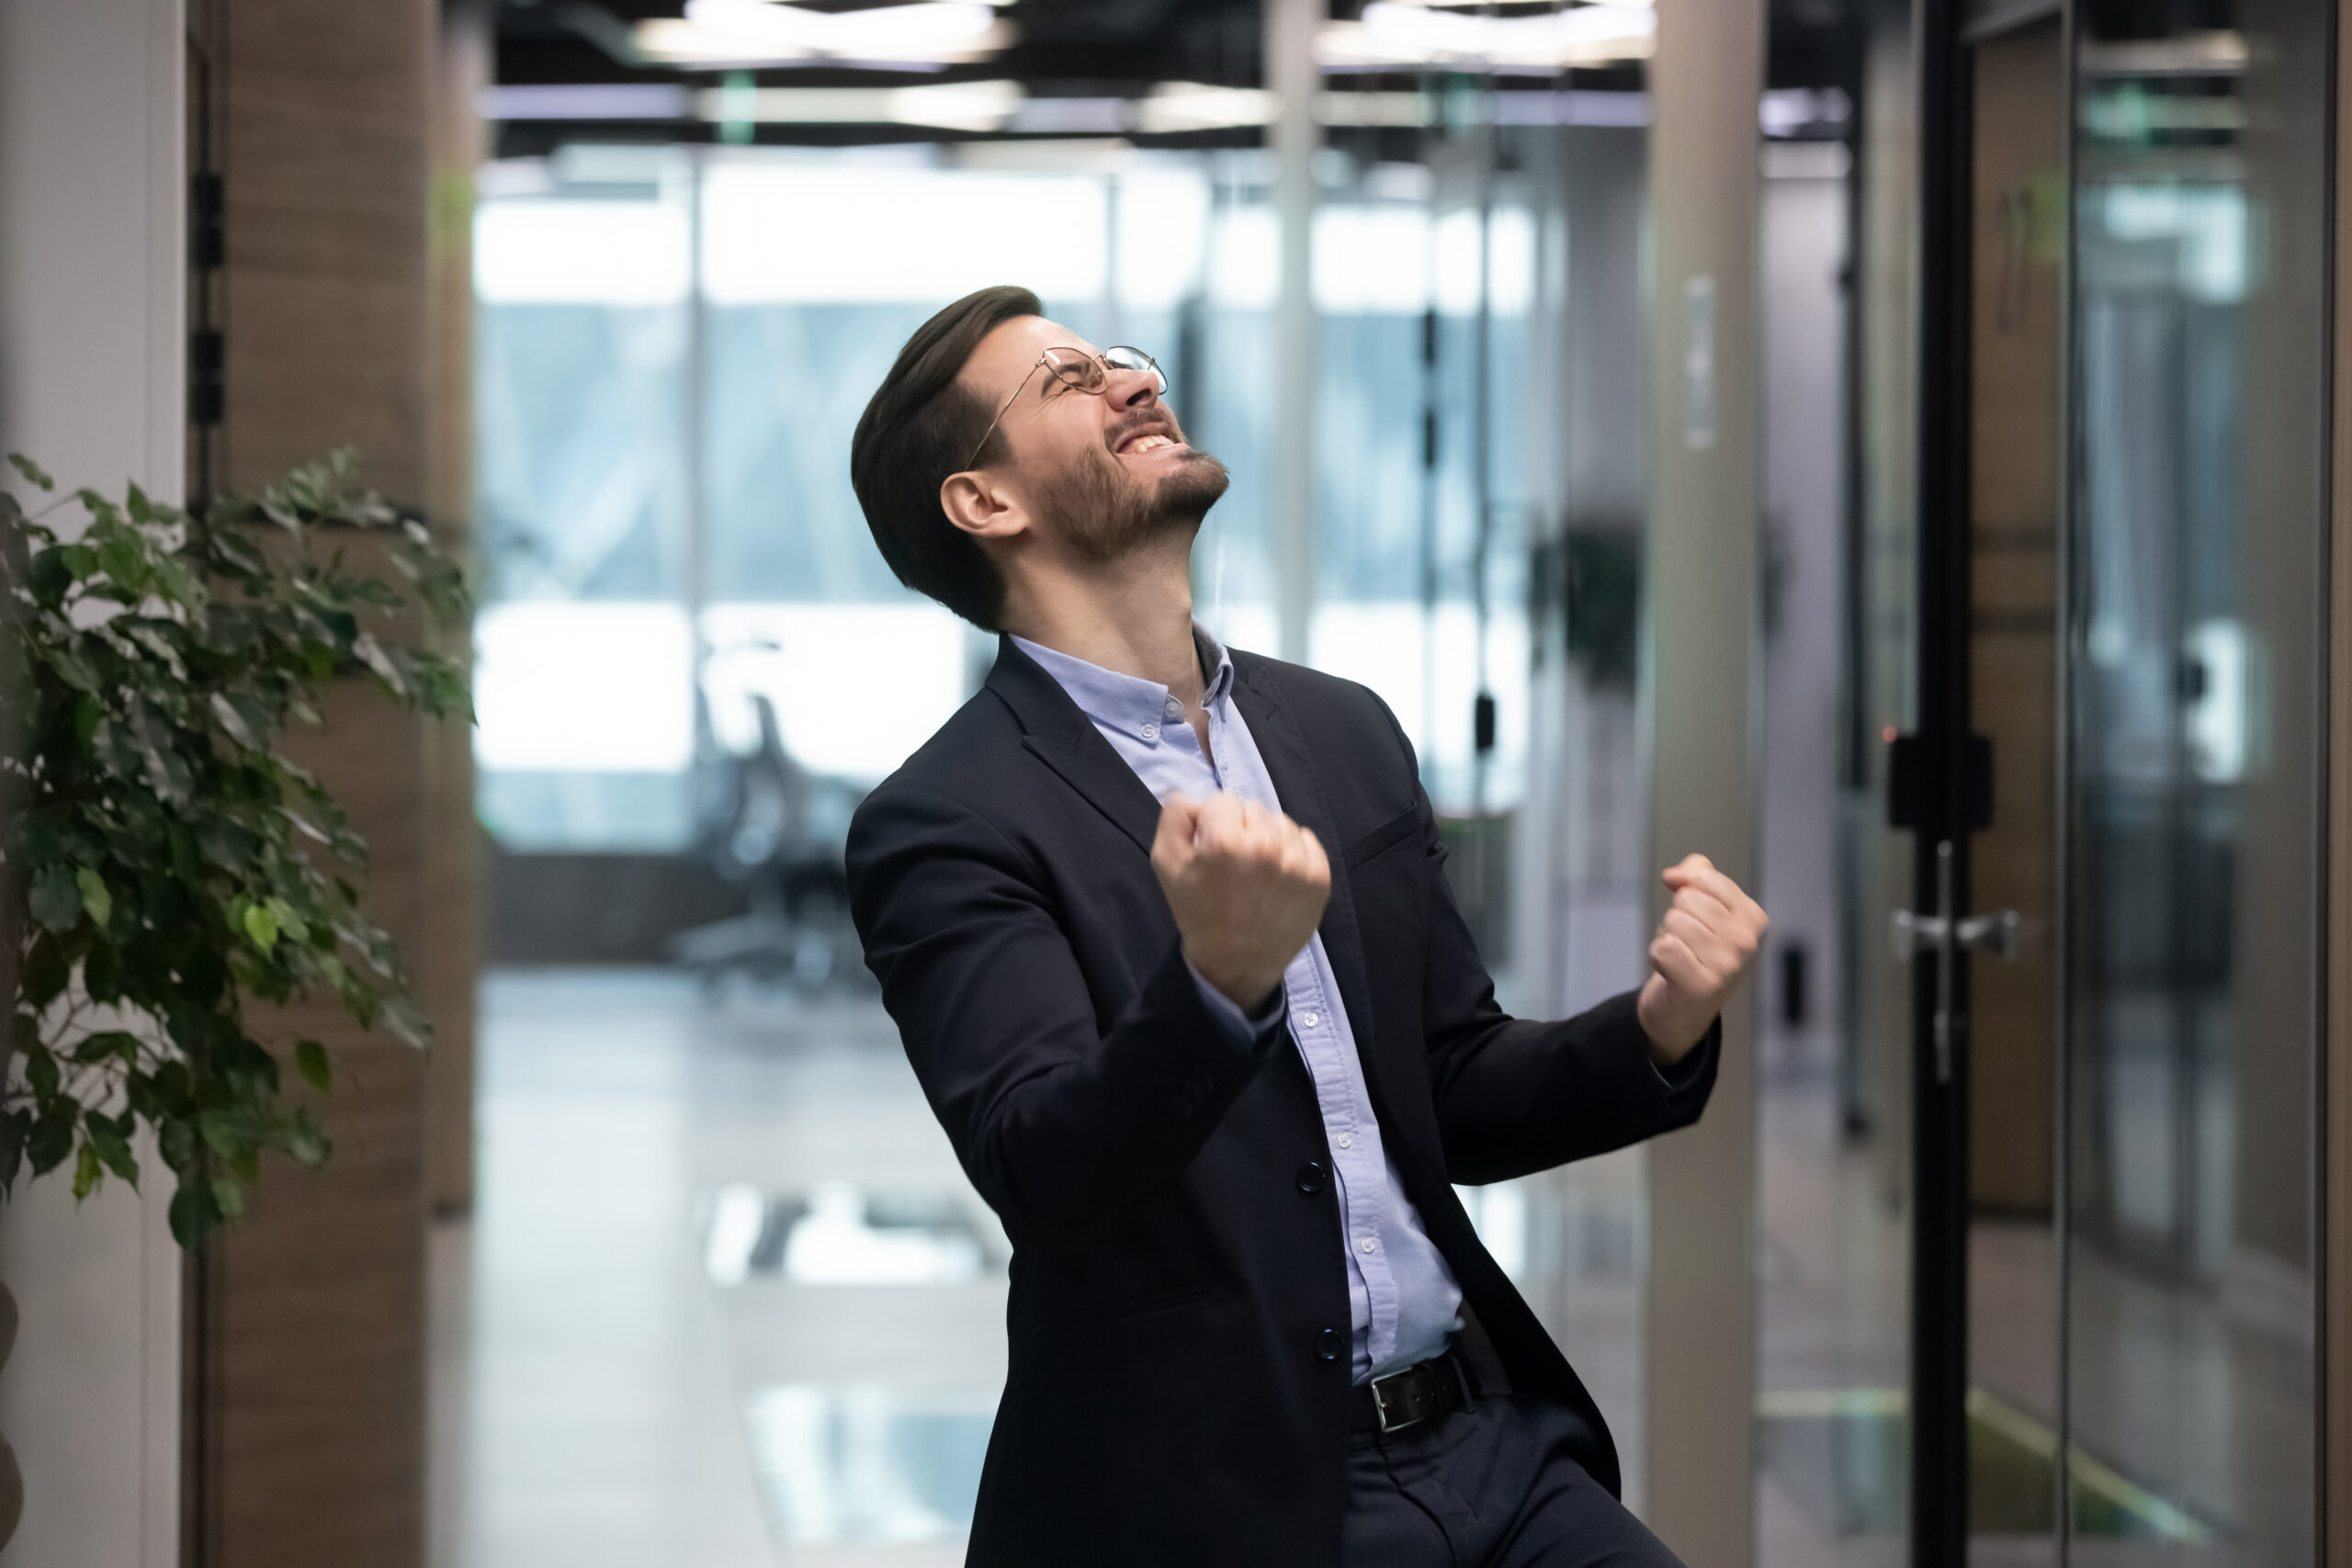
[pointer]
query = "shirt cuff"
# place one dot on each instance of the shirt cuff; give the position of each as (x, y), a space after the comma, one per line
(1246, 1031)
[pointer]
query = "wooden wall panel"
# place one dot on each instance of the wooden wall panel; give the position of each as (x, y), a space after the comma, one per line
(313, 1375)
(2019, 236)
(452, 943)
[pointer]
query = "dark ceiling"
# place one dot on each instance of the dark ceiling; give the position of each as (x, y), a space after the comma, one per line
(1063, 49)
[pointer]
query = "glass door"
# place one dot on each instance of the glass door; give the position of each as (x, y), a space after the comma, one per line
(2192, 799)
(2113, 786)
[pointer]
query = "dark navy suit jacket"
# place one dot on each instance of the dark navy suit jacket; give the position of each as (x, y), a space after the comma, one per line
(1178, 1389)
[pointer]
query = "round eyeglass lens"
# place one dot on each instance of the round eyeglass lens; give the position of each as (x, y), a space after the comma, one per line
(1125, 358)
(1074, 369)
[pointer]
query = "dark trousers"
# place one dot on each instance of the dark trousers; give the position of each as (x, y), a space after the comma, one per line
(1491, 1486)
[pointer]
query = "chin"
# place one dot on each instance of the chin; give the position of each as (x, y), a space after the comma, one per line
(1193, 488)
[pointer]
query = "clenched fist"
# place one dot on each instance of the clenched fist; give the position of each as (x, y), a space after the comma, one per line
(1247, 887)
(1706, 942)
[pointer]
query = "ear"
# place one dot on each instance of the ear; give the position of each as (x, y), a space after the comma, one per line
(982, 504)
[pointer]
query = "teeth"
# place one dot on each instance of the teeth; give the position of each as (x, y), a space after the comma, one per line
(1149, 443)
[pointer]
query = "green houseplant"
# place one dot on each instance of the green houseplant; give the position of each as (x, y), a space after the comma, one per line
(164, 865)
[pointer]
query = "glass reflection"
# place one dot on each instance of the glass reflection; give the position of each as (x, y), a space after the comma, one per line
(2192, 798)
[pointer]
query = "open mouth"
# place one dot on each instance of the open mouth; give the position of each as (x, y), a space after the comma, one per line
(1134, 444)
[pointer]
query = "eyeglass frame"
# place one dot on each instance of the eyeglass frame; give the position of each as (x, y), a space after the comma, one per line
(1046, 358)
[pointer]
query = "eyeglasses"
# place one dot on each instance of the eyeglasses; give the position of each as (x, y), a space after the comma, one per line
(1080, 372)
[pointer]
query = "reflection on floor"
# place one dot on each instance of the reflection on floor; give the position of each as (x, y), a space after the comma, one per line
(726, 1299)
(2192, 1416)
(727, 1302)
(1843, 1454)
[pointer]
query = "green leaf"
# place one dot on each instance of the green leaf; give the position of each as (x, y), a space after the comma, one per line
(95, 896)
(404, 1020)
(193, 1214)
(14, 1128)
(261, 926)
(72, 668)
(51, 576)
(311, 1061)
(229, 1197)
(40, 1070)
(233, 722)
(110, 1140)
(85, 1171)
(369, 651)
(221, 1133)
(53, 1136)
(34, 473)
(56, 899)
(152, 640)
(124, 562)
(290, 923)
(177, 583)
(109, 1043)
(306, 1142)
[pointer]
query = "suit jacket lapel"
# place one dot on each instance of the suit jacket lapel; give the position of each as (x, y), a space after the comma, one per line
(1292, 767)
(1067, 741)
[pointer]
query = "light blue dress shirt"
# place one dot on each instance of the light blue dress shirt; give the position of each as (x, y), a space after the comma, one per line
(1402, 1298)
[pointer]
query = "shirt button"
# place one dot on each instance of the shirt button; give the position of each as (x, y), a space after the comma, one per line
(1310, 1177)
(1311, 1019)
(1328, 1344)
(1346, 1141)
(1151, 732)
(1367, 1245)
(1175, 708)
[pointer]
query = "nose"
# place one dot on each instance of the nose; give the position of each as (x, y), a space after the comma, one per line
(1130, 388)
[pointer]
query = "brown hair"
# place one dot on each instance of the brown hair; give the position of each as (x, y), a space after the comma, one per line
(919, 428)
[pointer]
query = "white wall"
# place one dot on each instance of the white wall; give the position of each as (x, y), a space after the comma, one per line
(92, 328)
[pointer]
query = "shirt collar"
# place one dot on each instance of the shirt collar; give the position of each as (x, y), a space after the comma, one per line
(1128, 703)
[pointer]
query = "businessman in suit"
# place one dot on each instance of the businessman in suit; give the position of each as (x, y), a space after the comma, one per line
(1166, 933)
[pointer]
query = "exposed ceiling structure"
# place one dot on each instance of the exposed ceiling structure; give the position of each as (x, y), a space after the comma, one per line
(1172, 73)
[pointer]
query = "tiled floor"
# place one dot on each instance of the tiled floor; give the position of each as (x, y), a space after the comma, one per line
(595, 1390)
(592, 1382)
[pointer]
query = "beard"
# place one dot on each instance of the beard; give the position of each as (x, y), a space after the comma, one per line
(1105, 513)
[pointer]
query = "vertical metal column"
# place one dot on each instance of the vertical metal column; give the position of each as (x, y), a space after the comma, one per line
(694, 442)
(1941, 820)
(1291, 75)
(1700, 681)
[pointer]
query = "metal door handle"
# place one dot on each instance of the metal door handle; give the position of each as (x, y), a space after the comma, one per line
(1995, 934)
(1945, 933)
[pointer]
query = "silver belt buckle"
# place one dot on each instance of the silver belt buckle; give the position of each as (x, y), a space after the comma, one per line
(1380, 1403)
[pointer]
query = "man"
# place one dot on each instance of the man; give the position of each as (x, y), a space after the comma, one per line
(1166, 933)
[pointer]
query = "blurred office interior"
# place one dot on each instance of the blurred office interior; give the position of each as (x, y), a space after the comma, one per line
(1885, 445)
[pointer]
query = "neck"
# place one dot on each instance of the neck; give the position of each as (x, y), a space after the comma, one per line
(1134, 615)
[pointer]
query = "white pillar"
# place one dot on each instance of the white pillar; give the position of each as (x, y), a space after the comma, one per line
(1699, 686)
(92, 385)
(1290, 491)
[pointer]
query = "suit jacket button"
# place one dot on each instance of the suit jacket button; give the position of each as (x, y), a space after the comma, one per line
(1329, 1344)
(1310, 1177)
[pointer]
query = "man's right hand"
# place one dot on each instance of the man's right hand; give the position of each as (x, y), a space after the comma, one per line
(1248, 887)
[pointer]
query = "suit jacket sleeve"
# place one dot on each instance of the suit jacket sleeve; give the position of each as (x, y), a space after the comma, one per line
(1514, 1096)
(1065, 1127)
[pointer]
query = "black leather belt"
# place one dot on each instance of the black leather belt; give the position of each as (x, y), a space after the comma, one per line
(1438, 1386)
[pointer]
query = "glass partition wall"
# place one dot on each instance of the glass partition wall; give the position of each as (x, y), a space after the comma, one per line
(667, 403)
(2192, 792)
(2137, 327)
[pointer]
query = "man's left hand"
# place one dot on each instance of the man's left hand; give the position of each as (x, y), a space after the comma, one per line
(1707, 940)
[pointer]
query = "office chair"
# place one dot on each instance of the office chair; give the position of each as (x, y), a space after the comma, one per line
(776, 829)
